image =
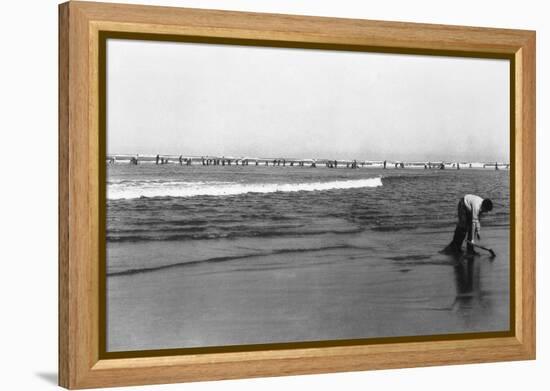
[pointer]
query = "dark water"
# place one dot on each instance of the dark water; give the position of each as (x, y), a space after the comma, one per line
(198, 204)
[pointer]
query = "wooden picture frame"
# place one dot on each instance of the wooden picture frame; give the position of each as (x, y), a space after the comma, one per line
(82, 361)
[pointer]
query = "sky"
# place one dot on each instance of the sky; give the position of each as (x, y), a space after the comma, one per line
(204, 99)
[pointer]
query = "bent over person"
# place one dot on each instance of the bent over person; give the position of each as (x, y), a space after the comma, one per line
(470, 209)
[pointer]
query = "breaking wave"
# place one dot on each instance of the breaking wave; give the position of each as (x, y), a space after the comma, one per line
(137, 189)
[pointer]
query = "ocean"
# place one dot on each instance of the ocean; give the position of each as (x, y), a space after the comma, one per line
(192, 250)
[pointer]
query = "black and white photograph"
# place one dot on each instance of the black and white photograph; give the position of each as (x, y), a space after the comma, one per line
(269, 195)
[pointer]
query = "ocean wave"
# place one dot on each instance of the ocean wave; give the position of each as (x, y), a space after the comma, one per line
(203, 234)
(139, 270)
(117, 191)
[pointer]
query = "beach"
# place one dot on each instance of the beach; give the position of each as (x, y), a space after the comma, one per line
(294, 263)
(325, 294)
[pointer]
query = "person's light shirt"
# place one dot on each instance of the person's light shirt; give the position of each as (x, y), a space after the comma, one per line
(473, 204)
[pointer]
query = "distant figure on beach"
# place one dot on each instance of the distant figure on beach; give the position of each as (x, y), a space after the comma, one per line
(385, 164)
(181, 160)
(496, 165)
(157, 159)
(470, 209)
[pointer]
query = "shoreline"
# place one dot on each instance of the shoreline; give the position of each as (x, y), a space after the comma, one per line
(363, 285)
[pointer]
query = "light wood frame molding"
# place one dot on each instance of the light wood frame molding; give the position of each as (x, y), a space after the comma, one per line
(80, 24)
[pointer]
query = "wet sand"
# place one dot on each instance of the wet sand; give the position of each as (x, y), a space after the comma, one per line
(325, 287)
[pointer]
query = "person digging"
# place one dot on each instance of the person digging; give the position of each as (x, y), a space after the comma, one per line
(470, 209)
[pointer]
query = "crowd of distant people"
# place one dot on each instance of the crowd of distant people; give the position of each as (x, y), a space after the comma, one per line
(207, 161)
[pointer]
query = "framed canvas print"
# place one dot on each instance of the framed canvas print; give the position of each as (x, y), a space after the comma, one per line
(251, 194)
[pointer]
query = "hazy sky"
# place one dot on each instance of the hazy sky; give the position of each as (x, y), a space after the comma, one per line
(199, 99)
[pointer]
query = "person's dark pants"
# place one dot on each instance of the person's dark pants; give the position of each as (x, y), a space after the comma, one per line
(463, 230)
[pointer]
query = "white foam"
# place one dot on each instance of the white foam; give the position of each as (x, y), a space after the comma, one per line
(194, 189)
